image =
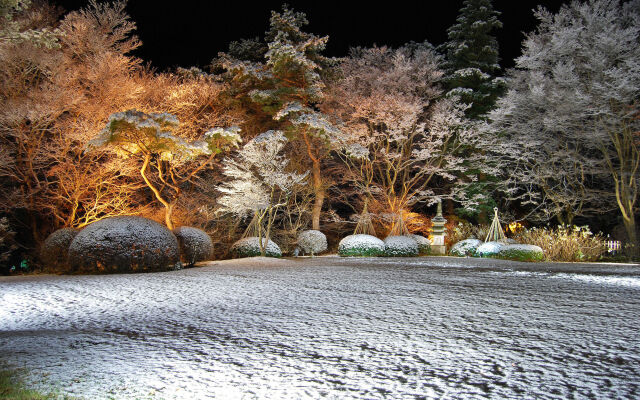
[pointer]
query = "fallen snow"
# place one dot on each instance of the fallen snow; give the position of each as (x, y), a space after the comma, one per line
(330, 327)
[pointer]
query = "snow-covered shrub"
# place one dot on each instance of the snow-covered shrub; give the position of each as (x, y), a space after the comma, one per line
(312, 242)
(400, 246)
(424, 244)
(250, 247)
(488, 249)
(465, 247)
(361, 245)
(123, 244)
(55, 248)
(521, 252)
(465, 230)
(195, 244)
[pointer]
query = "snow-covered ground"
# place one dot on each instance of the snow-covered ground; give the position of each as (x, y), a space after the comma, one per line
(331, 327)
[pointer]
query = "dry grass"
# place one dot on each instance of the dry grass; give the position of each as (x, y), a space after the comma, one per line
(565, 243)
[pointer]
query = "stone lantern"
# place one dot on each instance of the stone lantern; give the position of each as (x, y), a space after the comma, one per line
(438, 247)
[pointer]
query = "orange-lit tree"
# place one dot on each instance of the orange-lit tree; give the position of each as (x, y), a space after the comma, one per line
(173, 161)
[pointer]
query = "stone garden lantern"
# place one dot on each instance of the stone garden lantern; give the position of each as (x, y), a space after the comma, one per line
(438, 247)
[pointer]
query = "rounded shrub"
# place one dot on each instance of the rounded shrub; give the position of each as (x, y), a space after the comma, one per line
(465, 247)
(195, 244)
(55, 249)
(360, 246)
(521, 252)
(488, 249)
(312, 242)
(424, 244)
(400, 246)
(250, 247)
(124, 244)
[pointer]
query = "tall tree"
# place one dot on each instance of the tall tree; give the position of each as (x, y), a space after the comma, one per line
(287, 86)
(401, 141)
(472, 57)
(575, 87)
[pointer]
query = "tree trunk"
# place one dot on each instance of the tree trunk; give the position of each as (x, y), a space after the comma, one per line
(167, 206)
(319, 193)
(168, 214)
(630, 226)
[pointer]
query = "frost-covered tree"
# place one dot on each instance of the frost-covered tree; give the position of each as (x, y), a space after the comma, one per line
(566, 122)
(15, 24)
(260, 183)
(149, 137)
(401, 142)
(287, 86)
(472, 57)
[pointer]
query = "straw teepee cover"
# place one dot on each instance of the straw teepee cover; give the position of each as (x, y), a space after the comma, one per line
(495, 232)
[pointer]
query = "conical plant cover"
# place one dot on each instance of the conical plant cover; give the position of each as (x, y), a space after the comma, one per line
(495, 232)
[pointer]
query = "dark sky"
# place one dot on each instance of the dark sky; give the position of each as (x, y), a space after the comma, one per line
(191, 32)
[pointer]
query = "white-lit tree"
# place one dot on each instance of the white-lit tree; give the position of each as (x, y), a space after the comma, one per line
(567, 119)
(260, 183)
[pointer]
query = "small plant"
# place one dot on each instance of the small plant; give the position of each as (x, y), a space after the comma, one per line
(565, 243)
(400, 246)
(465, 230)
(361, 246)
(521, 252)
(312, 242)
(250, 247)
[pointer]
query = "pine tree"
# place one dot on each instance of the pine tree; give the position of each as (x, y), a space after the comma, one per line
(286, 88)
(472, 57)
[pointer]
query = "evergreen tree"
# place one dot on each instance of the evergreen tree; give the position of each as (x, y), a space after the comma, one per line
(472, 57)
(286, 88)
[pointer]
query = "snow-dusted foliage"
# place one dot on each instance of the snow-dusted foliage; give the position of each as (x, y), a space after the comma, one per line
(521, 252)
(360, 246)
(472, 57)
(287, 85)
(259, 176)
(150, 136)
(399, 138)
(401, 246)
(564, 131)
(488, 249)
(312, 242)
(250, 247)
(424, 244)
(123, 244)
(260, 181)
(465, 247)
(55, 248)
(195, 244)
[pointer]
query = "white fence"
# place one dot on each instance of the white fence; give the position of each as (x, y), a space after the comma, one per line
(613, 246)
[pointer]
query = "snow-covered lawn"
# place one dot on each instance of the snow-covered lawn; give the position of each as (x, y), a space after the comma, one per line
(328, 326)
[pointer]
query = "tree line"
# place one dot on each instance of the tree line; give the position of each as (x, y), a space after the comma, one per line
(277, 135)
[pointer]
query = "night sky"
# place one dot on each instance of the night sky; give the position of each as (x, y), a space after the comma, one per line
(191, 32)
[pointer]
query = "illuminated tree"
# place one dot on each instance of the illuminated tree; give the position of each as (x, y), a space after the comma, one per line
(260, 183)
(572, 95)
(401, 141)
(174, 161)
(287, 86)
